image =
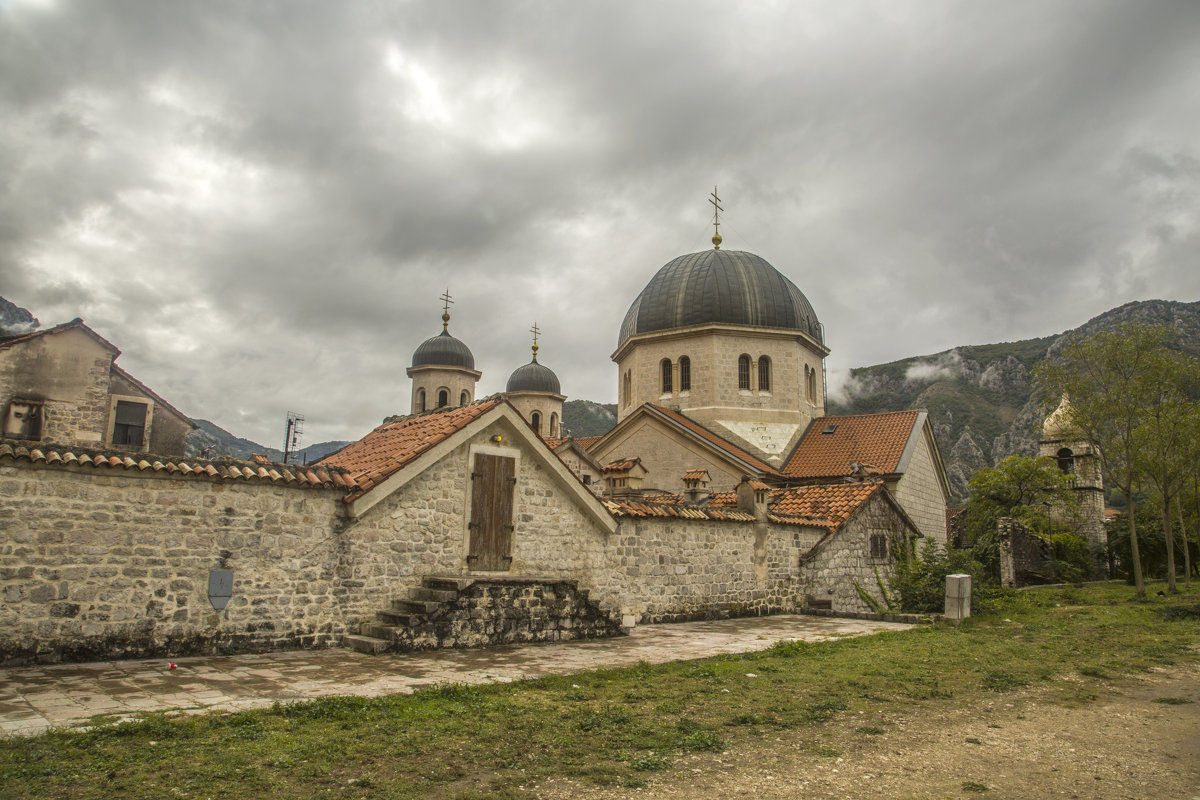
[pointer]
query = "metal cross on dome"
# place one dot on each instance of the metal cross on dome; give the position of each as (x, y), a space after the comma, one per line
(535, 331)
(716, 202)
(447, 301)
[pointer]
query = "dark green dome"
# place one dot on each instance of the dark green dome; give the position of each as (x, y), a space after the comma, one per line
(719, 286)
(443, 350)
(533, 377)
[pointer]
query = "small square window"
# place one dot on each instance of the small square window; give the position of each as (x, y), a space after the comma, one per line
(129, 428)
(879, 548)
(23, 419)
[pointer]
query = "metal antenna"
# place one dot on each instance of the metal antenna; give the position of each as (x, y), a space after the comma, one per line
(291, 439)
(716, 202)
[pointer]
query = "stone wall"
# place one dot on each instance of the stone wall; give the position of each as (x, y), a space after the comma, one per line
(1025, 558)
(832, 569)
(116, 565)
(920, 493)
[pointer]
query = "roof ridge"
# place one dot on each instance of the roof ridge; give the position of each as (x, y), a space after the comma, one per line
(733, 449)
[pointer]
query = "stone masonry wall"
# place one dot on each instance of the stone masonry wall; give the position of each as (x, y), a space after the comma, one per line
(95, 565)
(920, 494)
(831, 570)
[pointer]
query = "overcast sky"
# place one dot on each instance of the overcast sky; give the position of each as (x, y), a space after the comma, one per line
(260, 202)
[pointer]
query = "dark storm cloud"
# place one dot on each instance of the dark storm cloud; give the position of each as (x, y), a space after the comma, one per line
(260, 202)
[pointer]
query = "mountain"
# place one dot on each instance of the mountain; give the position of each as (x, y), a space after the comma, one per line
(212, 441)
(15, 320)
(980, 398)
(585, 418)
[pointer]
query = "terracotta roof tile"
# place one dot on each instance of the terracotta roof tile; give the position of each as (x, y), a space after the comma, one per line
(587, 441)
(826, 505)
(696, 475)
(722, 499)
(712, 438)
(632, 508)
(621, 465)
(869, 439)
(399, 440)
(218, 470)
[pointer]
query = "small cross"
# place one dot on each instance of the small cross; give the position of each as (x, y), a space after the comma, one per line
(716, 203)
(535, 331)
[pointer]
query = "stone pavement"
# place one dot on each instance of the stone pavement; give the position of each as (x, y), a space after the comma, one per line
(35, 699)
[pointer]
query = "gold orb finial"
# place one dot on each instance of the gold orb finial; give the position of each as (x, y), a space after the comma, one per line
(716, 241)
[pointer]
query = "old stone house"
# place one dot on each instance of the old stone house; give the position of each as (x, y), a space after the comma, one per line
(62, 385)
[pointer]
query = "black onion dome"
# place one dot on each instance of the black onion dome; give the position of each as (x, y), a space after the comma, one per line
(719, 286)
(443, 350)
(533, 377)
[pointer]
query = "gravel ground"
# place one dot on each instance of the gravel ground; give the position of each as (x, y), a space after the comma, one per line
(1102, 739)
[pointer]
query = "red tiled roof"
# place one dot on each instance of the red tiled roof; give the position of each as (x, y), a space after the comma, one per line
(310, 477)
(631, 508)
(587, 441)
(621, 465)
(758, 486)
(729, 447)
(399, 440)
(721, 499)
(696, 475)
(826, 505)
(876, 439)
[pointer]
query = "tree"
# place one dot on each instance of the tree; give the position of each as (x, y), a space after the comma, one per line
(1109, 380)
(1166, 435)
(1019, 487)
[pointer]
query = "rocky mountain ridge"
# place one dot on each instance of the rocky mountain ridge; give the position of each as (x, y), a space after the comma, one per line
(980, 398)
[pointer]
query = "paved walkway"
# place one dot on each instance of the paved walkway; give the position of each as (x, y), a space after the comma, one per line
(35, 699)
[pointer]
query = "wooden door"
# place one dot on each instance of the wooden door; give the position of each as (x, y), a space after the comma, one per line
(492, 484)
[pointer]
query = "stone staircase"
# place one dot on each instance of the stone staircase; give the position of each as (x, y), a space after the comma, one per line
(477, 612)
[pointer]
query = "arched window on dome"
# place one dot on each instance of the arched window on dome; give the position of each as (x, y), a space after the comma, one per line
(464, 398)
(1066, 461)
(743, 371)
(764, 374)
(443, 398)
(420, 400)
(553, 432)
(666, 375)
(685, 374)
(535, 419)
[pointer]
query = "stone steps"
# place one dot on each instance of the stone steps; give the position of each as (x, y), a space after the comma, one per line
(366, 644)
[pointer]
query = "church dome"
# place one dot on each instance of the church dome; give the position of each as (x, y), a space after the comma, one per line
(1059, 424)
(533, 377)
(719, 286)
(443, 350)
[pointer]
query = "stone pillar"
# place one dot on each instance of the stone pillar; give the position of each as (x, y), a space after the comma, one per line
(958, 597)
(1008, 569)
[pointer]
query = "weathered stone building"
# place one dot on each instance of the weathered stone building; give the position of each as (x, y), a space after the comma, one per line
(62, 385)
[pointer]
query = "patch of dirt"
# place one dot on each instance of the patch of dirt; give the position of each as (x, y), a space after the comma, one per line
(1094, 739)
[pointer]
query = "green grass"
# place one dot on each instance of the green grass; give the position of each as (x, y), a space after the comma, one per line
(624, 727)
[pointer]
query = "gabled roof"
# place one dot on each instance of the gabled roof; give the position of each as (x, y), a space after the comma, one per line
(158, 401)
(75, 324)
(698, 431)
(562, 446)
(400, 440)
(401, 448)
(827, 505)
(586, 442)
(831, 444)
(622, 465)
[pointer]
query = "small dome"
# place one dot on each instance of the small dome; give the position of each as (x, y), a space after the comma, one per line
(443, 350)
(719, 286)
(1059, 425)
(533, 377)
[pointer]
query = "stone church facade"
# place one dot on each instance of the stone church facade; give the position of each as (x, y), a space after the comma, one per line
(471, 522)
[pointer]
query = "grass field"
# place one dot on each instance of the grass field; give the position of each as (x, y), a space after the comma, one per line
(610, 727)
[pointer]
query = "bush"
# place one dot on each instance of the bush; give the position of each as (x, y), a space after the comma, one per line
(919, 583)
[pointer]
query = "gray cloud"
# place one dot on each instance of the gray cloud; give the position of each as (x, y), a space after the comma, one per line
(260, 202)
